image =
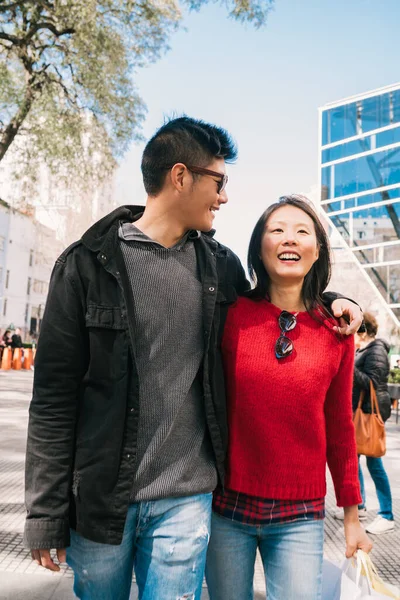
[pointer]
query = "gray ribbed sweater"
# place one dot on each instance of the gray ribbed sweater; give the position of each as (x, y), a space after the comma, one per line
(174, 455)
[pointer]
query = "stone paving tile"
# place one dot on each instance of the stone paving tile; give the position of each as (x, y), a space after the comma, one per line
(15, 559)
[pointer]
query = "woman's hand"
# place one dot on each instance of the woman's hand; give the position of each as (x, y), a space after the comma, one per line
(356, 538)
(355, 534)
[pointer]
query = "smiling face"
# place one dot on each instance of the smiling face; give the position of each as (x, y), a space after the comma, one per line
(289, 246)
(202, 200)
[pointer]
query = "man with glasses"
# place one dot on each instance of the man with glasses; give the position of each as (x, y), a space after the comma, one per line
(127, 433)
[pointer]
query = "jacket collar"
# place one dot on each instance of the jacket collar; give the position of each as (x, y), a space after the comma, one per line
(97, 237)
(375, 343)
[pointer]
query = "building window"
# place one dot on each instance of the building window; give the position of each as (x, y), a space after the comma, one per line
(375, 112)
(28, 289)
(26, 313)
(1, 242)
(31, 258)
(367, 172)
(342, 123)
(7, 279)
(5, 307)
(40, 287)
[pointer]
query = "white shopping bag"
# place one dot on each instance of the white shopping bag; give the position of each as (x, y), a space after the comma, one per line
(331, 580)
(356, 579)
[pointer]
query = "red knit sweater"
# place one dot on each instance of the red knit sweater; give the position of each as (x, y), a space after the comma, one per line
(288, 417)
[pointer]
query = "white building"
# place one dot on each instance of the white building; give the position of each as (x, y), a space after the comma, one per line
(29, 250)
(36, 223)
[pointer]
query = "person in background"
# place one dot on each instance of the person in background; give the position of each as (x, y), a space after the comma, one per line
(289, 378)
(16, 340)
(372, 364)
(6, 339)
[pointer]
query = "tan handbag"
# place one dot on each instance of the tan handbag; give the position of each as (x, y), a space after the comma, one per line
(370, 428)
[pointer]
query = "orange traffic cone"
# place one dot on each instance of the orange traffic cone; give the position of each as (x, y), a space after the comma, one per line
(28, 360)
(6, 359)
(16, 363)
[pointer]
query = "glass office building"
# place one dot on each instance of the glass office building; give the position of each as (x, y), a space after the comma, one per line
(360, 183)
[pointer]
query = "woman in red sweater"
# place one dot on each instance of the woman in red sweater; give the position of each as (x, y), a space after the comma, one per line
(288, 417)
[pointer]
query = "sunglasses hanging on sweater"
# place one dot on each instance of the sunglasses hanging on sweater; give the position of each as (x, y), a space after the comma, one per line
(284, 345)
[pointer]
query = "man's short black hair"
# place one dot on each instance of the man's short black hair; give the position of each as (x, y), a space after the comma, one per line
(183, 140)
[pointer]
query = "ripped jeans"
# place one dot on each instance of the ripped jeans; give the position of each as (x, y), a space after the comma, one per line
(165, 541)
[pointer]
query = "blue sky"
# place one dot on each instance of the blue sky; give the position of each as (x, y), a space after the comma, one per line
(265, 87)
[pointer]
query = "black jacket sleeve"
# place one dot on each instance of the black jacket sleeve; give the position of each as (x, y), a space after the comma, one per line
(60, 365)
(362, 379)
(329, 297)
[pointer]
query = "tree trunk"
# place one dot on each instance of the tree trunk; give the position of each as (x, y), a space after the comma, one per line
(9, 133)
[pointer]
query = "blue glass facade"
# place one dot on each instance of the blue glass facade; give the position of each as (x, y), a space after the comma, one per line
(360, 183)
(360, 116)
(364, 200)
(363, 144)
(362, 173)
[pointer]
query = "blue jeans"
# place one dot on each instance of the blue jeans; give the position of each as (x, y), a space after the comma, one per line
(382, 485)
(291, 554)
(165, 541)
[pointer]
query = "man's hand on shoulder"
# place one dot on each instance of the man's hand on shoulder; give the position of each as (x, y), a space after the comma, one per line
(341, 307)
(43, 558)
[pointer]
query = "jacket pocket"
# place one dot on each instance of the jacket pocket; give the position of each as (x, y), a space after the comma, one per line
(107, 317)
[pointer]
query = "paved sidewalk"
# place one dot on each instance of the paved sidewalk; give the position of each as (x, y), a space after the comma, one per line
(21, 579)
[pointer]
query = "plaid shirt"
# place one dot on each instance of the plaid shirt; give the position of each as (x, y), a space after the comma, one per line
(252, 510)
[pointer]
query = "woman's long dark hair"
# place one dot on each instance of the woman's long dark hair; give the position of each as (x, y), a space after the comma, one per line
(316, 280)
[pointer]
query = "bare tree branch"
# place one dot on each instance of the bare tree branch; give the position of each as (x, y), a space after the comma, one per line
(46, 4)
(11, 6)
(21, 3)
(73, 99)
(14, 125)
(50, 27)
(10, 38)
(26, 39)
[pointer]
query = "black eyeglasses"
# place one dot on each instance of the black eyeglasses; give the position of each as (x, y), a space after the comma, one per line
(284, 345)
(222, 177)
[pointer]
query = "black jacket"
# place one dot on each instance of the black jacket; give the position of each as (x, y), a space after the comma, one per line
(83, 422)
(16, 341)
(372, 364)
